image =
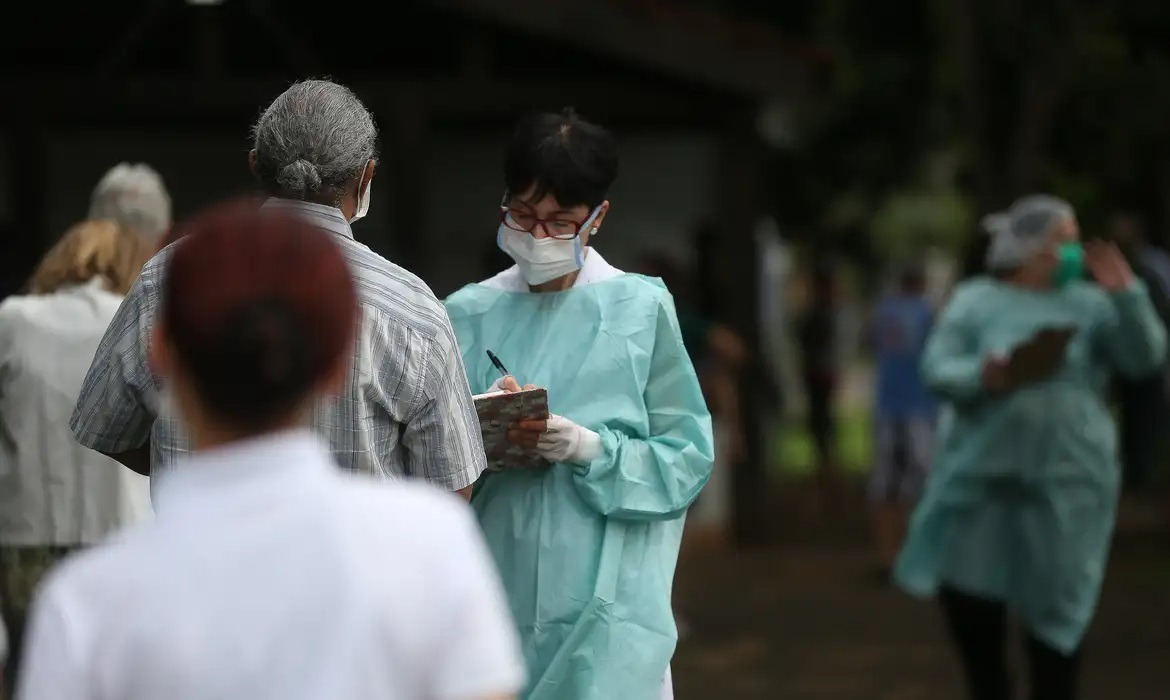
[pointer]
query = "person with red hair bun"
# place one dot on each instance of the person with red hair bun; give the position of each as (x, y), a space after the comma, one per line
(268, 572)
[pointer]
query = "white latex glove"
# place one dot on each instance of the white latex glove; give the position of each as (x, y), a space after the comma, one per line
(497, 385)
(565, 441)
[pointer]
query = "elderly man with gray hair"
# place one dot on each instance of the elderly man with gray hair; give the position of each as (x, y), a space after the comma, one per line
(407, 411)
(133, 194)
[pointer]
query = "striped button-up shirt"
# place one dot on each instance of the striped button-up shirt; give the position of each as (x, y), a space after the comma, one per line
(407, 410)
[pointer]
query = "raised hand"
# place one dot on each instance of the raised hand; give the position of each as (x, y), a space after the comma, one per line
(1108, 266)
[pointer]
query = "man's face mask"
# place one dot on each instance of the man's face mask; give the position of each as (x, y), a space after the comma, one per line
(363, 202)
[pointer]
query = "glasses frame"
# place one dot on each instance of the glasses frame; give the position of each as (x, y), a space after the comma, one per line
(537, 221)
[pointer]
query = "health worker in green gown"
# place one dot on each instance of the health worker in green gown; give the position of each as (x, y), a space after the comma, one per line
(586, 547)
(1019, 512)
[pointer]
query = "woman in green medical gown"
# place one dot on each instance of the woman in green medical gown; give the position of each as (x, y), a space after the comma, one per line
(1019, 512)
(587, 547)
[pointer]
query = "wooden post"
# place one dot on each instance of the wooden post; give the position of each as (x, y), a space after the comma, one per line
(738, 270)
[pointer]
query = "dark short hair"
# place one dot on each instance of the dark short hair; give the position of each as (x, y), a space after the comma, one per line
(561, 155)
(260, 307)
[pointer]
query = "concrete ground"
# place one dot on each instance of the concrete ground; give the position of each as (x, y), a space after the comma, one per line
(806, 619)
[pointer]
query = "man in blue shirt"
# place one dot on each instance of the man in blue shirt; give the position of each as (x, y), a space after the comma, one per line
(904, 411)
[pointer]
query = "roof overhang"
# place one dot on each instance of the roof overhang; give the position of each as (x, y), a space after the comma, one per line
(705, 48)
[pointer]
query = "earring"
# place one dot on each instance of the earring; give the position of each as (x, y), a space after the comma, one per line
(593, 231)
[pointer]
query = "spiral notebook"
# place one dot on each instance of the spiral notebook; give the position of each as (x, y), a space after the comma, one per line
(498, 412)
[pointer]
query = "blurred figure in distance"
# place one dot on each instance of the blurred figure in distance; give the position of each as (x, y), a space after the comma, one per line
(57, 495)
(904, 411)
(715, 350)
(818, 339)
(1142, 401)
(1020, 507)
(134, 195)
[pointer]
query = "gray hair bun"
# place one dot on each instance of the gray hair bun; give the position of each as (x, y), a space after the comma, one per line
(299, 177)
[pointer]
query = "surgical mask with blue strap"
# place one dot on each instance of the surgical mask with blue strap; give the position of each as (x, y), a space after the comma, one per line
(545, 259)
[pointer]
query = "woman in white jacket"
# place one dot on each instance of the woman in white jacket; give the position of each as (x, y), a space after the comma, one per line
(55, 495)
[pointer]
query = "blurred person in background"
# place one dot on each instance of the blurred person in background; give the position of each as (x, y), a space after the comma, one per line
(268, 573)
(133, 195)
(407, 411)
(718, 356)
(1142, 401)
(904, 411)
(1020, 507)
(715, 350)
(1150, 262)
(57, 495)
(818, 340)
(588, 546)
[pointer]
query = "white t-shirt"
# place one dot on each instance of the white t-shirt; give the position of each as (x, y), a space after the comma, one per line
(269, 574)
(55, 491)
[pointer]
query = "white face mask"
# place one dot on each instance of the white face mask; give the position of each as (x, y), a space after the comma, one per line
(541, 260)
(363, 202)
(544, 259)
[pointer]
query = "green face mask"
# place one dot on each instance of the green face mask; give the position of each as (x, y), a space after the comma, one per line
(1070, 264)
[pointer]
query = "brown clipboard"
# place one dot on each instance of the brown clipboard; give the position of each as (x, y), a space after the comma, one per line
(1040, 356)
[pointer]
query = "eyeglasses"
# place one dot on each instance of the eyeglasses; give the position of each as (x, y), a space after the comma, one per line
(559, 228)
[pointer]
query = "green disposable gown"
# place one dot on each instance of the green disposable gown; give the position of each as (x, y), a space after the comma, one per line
(1022, 502)
(587, 551)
